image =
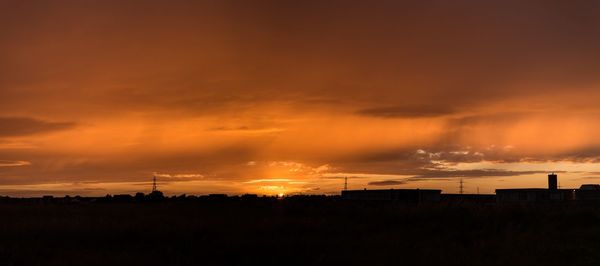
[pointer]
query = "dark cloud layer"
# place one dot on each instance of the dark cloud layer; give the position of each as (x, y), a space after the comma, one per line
(23, 126)
(411, 53)
(407, 111)
(473, 173)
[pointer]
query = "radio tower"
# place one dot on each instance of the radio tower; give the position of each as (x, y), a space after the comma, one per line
(461, 187)
(154, 188)
(345, 183)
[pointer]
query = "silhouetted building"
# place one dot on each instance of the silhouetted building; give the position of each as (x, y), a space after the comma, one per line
(122, 198)
(47, 198)
(249, 196)
(536, 195)
(479, 199)
(217, 196)
(552, 181)
(403, 195)
(588, 192)
(533, 195)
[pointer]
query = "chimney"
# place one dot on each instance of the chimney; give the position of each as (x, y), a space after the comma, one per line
(552, 181)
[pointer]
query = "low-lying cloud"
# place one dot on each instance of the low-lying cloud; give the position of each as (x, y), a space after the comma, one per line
(25, 126)
(387, 183)
(407, 111)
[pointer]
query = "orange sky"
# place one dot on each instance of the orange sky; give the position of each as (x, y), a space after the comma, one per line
(289, 97)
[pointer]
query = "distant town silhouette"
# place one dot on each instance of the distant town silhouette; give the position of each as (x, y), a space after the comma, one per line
(586, 194)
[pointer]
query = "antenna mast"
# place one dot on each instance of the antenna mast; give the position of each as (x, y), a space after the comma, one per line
(461, 187)
(154, 189)
(345, 183)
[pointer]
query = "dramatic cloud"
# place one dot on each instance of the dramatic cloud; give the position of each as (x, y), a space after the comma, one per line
(214, 95)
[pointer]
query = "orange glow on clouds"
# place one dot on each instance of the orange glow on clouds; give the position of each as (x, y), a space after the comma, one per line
(284, 97)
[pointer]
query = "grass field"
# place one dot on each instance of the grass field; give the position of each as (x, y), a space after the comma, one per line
(295, 232)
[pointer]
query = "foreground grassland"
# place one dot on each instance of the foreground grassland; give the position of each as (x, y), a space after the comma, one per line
(296, 232)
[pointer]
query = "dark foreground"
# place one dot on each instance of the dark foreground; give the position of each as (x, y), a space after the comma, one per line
(295, 232)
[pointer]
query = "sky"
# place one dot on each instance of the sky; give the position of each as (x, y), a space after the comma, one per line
(291, 97)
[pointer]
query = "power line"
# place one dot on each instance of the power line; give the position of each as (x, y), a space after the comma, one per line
(345, 183)
(154, 187)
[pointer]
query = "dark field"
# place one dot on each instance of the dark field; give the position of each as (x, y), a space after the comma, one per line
(295, 232)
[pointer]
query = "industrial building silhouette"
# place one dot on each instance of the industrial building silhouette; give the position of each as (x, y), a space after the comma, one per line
(587, 193)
